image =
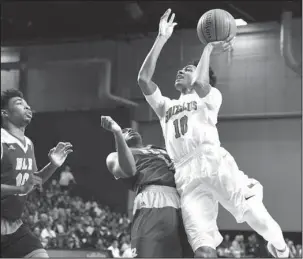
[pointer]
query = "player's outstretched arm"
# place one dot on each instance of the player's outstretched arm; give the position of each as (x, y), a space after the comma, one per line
(166, 27)
(121, 163)
(201, 75)
(150, 90)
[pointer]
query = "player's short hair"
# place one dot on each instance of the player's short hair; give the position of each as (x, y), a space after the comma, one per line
(132, 137)
(212, 76)
(7, 95)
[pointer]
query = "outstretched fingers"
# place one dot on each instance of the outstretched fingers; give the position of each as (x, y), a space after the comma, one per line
(166, 14)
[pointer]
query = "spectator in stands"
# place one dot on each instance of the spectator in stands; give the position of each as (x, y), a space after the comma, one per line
(37, 232)
(128, 253)
(235, 248)
(31, 221)
(71, 244)
(114, 249)
(299, 251)
(80, 233)
(66, 177)
(100, 245)
(124, 244)
(60, 229)
(226, 243)
(292, 249)
(253, 247)
(47, 234)
(224, 248)
(242, 245)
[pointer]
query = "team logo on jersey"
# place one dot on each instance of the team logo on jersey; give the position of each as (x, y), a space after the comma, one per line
(24, 164)
(176, 109)
(134, 252)
(11, 147)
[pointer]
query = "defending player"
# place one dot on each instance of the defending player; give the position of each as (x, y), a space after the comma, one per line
(205, 172)
(157, 228)
(19, 176)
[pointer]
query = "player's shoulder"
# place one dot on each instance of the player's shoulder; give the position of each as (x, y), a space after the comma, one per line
(4, 136)
(112, 157)
(216, 91)
(7, 138)
(213, 98)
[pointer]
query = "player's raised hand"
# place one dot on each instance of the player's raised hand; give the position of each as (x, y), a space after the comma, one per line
(223, 46)
(166, 25)
(58, 154)
(109, 124)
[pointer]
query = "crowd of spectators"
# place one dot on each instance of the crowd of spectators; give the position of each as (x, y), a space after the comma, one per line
(62, 221)
(254, 247)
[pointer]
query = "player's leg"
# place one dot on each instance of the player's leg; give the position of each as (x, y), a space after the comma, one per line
(155, 233)
(199, 212)
(259, 219)
(243, 198)
(22, 243)
(187, 251)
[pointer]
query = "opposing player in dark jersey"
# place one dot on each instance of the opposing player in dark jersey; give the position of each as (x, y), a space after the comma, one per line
(157, 228)
(19, 176)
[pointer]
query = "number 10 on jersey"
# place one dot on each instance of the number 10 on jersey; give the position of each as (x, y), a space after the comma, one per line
(180, 126)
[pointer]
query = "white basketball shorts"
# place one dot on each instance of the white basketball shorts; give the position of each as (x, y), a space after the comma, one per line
(205, 177)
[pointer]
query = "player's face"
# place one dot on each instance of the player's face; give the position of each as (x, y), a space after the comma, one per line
(18, 112)
(131, 134)
(184, 77)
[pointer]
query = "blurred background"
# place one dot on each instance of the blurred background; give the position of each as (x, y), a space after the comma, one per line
(77, 61)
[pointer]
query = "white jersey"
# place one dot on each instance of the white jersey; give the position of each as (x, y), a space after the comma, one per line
(187, 122)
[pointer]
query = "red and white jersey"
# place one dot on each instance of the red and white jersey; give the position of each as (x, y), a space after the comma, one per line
(187, 122)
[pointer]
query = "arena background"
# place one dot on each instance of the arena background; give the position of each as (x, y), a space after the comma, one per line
(66, 83)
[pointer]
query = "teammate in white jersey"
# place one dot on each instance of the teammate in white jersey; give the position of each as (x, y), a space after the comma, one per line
(205, 172)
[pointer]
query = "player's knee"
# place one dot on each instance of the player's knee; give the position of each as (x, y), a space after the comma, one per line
(205, 252)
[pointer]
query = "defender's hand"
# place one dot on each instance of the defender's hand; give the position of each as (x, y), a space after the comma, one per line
(58, 154)
(166, 27)
(109, 124)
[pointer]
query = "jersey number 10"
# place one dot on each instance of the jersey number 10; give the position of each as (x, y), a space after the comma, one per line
(183, 126)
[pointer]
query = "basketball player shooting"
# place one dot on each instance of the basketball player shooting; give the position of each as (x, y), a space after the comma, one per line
(19, 176)
(157, 227)
(205, 172)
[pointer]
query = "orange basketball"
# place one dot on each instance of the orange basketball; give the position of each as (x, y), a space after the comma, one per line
(216, 25)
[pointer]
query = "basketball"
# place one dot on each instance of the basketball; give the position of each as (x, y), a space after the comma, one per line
(216, 25)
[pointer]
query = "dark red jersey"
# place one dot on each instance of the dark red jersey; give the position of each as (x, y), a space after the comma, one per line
(154, 167)
(17, 162)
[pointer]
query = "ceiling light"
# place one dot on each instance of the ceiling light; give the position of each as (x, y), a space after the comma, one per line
(240, 22)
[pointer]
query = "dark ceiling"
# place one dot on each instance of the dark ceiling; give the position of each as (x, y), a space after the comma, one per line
(49, 22)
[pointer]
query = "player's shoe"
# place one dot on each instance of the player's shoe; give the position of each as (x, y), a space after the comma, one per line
(277, 253)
